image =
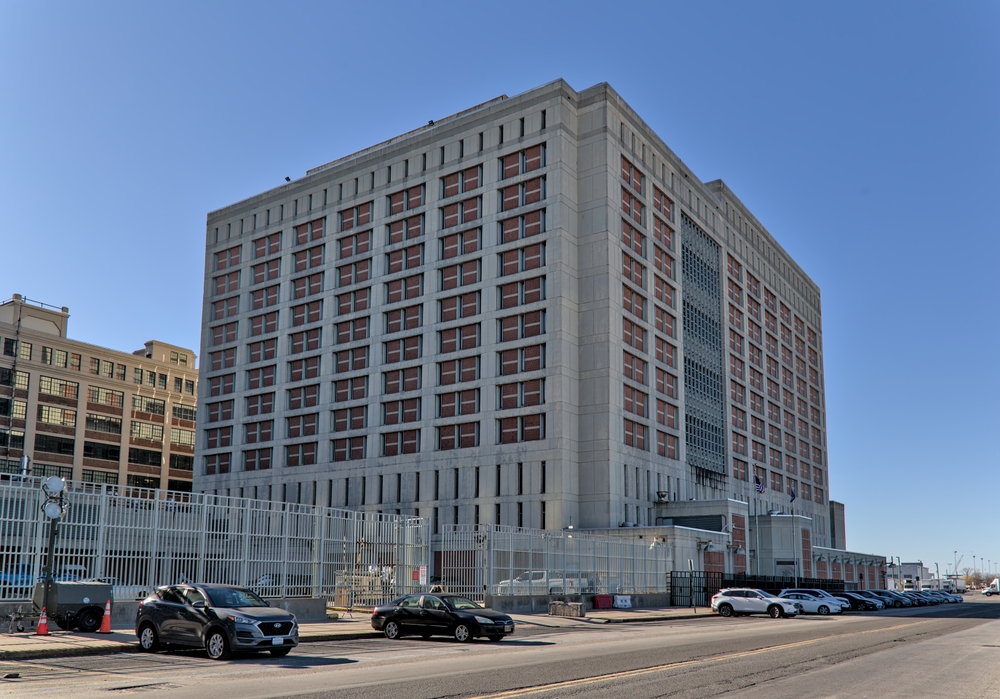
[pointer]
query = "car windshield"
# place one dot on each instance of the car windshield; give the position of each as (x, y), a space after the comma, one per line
(759, 592)
(233, 597)
(461, 603)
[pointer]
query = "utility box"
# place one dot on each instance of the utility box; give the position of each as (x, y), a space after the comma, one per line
(74, 604)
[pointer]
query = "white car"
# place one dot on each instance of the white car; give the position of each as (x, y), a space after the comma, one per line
(735, 601)
(845, 604)
(813, 605)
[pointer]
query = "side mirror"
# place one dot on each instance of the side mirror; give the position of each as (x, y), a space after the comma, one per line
(200, 604)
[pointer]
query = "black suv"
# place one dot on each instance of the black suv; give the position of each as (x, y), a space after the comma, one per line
(218, 618)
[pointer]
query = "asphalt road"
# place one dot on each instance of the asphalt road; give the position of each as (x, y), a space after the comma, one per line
(943, 651)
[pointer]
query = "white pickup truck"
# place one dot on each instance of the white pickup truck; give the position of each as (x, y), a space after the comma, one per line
(540, 582)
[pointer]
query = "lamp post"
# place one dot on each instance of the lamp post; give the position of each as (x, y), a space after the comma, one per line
(53, 507)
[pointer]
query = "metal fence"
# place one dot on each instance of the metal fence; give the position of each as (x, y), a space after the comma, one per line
(139, 538)
(480, 560)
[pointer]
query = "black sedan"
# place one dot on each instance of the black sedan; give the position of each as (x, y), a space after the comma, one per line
(450, 615)
(859, 603)
(217, 618)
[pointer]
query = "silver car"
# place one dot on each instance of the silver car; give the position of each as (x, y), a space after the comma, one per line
(736, 601)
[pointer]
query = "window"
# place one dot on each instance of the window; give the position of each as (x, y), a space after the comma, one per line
(634, 335)
(666, 383)
(633, 239)
(106, 452)
(633, 302)
(457, 436)
(526, 428)
(268, 245)
(308, 368)
(404, 289)
(520, 395)
(300, 454)
(461, 338)
(227, 258)
(56, 387)
(401, 380)
(266, 323)
(740, 471)
(460, 243)
(633, 208)
(666, 414)
(402, 349)
(352, 302)
(515, 361)
(51, 415)
(633, 177)
(217, 463)
(406, 318)
(260, 377)
(406, 258)
(105, 396)
(307, 259)
(457, 371)
(220, 385)
(260, 404)
(734, 268)
(663, 234)
(223, 284)
(350, 331)
(349, 449)
(184, 438)
(17, 409)
(310, 312)
(523, 194)
(405, 200)
(221, 334)
(258, 431)
(461, 306)
(266, 271)
(404, 229)
(461, 274)
(737, 393)
(662, 204)
(461, 212)
(663, 262)
(667, 445)
(522, 162)
(257, 459)
(307, 232)
(634, 368)
(353, 273)
(458, 403)
(635, 434)
(463, 181)
(303, 397)
(400, 411)
(185, 412)
(395, 443)
(307, 286)
(348, 389)
(353, 359)
(519, 227)
(305, 341)
(350, 418)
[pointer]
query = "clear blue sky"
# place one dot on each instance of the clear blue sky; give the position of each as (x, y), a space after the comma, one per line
(863, 135)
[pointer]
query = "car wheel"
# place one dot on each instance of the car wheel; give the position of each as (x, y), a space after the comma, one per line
(217, 645)
(462, 633)
(280, 652)
(148, 641)
(725, 610)
(774, 611)
(823, 609)
(897, 604)
(391, 630)
(89, 620)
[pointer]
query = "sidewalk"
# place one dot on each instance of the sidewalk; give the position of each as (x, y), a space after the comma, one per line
(356, 625)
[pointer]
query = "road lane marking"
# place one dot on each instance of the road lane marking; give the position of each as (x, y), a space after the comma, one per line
(538, 689)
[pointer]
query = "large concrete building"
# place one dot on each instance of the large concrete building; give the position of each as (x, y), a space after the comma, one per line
(531, 313)
(89, 413)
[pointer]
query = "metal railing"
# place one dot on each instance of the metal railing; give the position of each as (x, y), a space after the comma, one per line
(138, 538)
(481, 560)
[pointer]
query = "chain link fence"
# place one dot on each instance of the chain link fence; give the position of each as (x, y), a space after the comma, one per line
(138, 538)
(486, 559)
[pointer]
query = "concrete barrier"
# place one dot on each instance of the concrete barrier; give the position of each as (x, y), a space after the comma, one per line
(531, 604)
(574, 609)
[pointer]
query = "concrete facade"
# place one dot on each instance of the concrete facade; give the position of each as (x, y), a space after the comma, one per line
(529, 313)
(89, 413)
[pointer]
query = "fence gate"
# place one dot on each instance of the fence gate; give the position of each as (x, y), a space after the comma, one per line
(700, 585)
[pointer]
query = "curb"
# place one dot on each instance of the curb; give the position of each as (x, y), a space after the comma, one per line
(35, 654)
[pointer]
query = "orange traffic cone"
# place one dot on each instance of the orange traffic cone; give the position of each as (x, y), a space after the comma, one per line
(43, 625)
(106, 621)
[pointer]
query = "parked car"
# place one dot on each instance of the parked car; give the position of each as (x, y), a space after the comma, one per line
(916, 599)
(218, 618)
(430, 615)
(859, 603)
(736, 601)
(892, 599)
(844, 604)
(868, 594)
(810, 604)
(541, 582)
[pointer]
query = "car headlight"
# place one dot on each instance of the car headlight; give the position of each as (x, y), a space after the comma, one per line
(240, 619)
(484, 620)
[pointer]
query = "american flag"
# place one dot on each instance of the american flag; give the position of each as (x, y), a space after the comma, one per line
(758, 485)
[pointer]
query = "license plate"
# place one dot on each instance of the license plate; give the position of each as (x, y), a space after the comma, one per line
(277, 641)
(508, 628)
